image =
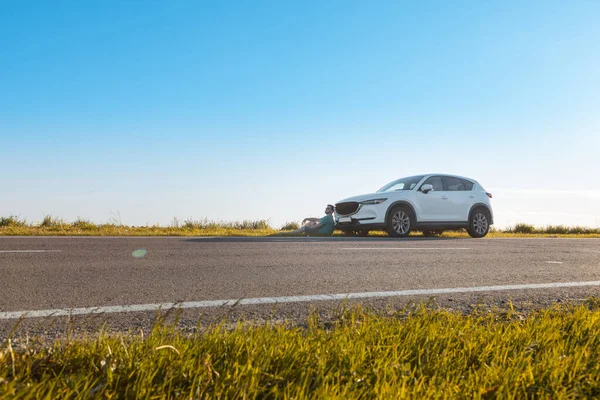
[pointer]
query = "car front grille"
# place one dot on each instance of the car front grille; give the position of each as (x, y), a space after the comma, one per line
(346, 208)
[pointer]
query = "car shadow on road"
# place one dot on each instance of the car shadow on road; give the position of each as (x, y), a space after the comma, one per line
(305, 239)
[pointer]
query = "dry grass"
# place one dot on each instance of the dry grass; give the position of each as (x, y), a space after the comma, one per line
(51, 226)
(552, 230)
(411, 353)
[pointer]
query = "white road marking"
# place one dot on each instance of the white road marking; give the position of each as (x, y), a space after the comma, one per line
(284, 299)
(30, 251)
(554, 262)
(405, 248)
(542, 238)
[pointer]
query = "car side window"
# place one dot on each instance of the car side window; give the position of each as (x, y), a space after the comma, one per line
(468, 184)
(454, 184)
(436, 182)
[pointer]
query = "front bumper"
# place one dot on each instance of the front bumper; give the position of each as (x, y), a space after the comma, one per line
(366, 216)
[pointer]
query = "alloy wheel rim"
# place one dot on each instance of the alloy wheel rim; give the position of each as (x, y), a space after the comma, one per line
(480, 223)
(401, 222)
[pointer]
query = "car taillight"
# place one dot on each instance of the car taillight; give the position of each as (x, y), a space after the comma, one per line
(489, 194)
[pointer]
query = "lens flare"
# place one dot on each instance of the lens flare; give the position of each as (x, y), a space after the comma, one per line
(139, 253)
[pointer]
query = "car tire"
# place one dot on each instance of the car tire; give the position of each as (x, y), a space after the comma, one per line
(432, 233)
(479, 223)
(400, 222)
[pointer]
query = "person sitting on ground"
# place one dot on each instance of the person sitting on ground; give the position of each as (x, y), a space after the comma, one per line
(317, 226)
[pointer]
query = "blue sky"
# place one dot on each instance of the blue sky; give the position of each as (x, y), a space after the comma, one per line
(254, 109)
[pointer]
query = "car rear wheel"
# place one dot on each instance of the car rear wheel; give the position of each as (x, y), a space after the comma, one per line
(400, 222)
(479, 223)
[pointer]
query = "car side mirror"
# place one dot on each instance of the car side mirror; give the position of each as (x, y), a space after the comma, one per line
(426, 188)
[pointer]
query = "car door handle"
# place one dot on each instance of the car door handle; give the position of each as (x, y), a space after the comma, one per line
(444, 197)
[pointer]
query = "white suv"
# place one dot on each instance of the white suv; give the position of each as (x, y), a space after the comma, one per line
(430, 203)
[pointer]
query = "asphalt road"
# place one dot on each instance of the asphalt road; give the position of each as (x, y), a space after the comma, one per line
(62, 273)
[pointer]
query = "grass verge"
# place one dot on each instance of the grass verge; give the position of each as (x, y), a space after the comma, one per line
(411, 353)
(51, 226)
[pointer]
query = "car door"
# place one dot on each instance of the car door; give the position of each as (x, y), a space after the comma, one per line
(460, 199)
(434, 205)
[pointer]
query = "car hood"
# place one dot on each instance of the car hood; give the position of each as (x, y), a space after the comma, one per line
(369, 196)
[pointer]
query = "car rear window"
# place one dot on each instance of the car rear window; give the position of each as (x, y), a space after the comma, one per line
(468, 184)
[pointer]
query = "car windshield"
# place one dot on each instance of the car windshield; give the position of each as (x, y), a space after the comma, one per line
(401, 184)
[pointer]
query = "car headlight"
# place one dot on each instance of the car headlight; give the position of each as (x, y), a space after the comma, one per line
(374, 201)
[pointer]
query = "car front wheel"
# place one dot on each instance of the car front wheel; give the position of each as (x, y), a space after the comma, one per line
(400, 222)
(479, 223)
